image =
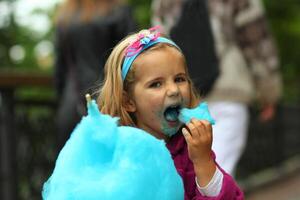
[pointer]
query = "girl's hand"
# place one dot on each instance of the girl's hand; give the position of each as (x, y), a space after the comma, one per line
(199, 140)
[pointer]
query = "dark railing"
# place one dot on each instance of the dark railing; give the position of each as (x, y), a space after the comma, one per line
(27, 146)
(10, 133)
(270, 144)
(273, 149)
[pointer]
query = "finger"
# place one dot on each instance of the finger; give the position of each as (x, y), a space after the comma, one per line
(207, 130)
(199, 126)
(192, 128)
(186, 135)
(207, 125)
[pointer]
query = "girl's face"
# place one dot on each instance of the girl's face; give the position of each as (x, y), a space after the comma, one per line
(160, 89)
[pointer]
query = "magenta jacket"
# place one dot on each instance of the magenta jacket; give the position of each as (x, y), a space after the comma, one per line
(178, 149)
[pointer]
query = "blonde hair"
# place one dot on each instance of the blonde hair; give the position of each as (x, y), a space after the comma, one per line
(111, 94)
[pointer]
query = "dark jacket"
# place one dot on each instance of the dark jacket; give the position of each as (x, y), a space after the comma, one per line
(193, 34)
(82, 48)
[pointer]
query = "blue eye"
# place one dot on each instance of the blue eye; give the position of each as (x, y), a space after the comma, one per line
(155, 85)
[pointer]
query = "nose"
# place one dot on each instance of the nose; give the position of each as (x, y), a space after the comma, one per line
(173, 90)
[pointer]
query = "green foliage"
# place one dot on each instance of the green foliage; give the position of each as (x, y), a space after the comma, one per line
(7, 38)
(284, 18)
(15, 34)
(142, 12)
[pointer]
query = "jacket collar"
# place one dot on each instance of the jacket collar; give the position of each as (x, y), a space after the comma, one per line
(176, 143)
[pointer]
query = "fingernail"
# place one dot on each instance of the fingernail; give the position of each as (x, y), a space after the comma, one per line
(184, 131)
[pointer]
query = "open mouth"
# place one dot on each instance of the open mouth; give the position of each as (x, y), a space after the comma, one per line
(172, 112)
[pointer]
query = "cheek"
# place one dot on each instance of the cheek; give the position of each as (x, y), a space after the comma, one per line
(186, 93)
(150, 106)
(153, 100)
(155, 107)
(156, 110)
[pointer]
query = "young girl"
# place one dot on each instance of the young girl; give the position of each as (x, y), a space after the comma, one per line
(146, 83)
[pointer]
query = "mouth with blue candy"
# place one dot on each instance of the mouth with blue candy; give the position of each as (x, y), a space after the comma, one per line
(171, 113)
(171, 122)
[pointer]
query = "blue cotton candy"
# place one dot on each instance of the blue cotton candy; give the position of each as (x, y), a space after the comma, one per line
(102, 160)
(200, 112)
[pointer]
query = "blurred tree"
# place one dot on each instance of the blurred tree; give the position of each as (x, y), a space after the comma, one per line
(284, 18)
(7, 30)
(142, 12)
(18, 42)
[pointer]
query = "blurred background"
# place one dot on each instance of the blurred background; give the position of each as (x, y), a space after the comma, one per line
(269, 168)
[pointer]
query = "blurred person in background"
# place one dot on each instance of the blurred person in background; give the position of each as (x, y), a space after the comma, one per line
(187, 23)
(86, 31)
(249, 69)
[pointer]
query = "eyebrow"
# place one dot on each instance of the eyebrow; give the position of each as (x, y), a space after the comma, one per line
(181, 73)
(153, 80)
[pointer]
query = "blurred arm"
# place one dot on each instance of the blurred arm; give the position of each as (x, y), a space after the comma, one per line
(255, 39)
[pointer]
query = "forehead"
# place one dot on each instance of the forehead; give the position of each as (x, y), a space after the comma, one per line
(159, 60)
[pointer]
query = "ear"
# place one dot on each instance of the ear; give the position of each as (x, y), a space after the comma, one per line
(128, 103)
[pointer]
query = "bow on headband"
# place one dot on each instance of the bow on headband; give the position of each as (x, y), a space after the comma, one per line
(142, 39)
